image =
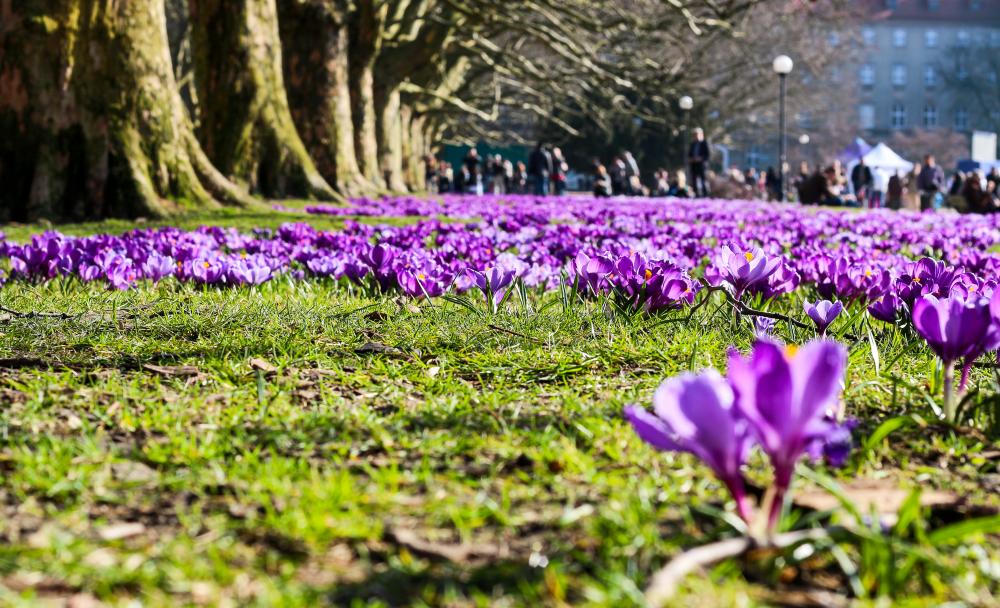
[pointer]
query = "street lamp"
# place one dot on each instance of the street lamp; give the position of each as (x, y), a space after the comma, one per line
(804, 139)
(685, 103)
(782, 66)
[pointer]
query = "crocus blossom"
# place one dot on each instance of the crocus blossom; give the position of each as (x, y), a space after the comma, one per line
(823, 313)
(786, 400)
(955, 328)
(785, 394)
(695, 413)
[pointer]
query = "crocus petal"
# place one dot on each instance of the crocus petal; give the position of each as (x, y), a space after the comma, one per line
(650, 429)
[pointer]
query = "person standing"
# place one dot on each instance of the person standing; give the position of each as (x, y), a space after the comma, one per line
(472, 174)
(931, 184)
(619, 176)
(894, 192)
(559, 172)
(540, 169)
(633, 182)
(862, 181)
(698, 155)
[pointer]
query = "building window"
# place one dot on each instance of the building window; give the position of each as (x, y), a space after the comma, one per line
(930, 116)
(933, 5)
(868, 36)
(867, 75)
(930, 76)
(962, 39)
(866, 116)
(898, 75)
(899, 38)
(961, 119)
(898, 116)
(833, 39)
(931, 38)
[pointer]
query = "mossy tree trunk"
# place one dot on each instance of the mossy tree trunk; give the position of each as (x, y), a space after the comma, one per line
(246, 125)
(366, 39)
(93, 124)
(414, 150)
(316, 49)
(389, 129)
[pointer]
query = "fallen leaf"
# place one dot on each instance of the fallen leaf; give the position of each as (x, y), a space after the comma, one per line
(102, 558)
(374, 348)
(376, 315)
(176, 371)
(883, 496)
(132, 472)
(122, 530)
(457, 553)
(263, 366)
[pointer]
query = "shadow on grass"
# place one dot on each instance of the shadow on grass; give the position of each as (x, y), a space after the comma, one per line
(398, 587)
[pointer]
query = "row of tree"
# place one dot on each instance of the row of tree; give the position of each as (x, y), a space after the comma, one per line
(149, 107)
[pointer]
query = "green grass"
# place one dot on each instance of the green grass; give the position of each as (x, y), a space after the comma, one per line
(497, 441)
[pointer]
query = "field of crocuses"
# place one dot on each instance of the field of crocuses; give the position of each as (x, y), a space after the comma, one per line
(504, 401)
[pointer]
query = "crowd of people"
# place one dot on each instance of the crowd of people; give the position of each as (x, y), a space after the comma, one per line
(547, 172)
(924, 187)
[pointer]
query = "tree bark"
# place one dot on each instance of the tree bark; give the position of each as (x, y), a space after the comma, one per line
(316, 43)
(414, 150)
(389, 129)
(366, 40)
(246, 125)
(92, 120)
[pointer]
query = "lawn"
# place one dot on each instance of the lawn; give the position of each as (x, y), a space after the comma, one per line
(311, 440)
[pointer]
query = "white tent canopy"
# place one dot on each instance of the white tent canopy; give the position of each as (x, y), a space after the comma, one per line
(884, 163)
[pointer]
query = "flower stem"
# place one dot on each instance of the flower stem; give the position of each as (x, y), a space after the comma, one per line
(949, 398)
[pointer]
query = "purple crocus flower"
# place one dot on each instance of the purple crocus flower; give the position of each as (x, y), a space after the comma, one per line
(157, 267)
(786, 397)
(887, 307)
(823, 313)
(493, 283)
(592, 272)
(695, 413)
(955, 328)
(763, 327)
(742, 268)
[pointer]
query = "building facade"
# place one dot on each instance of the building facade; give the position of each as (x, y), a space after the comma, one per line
(927, 64)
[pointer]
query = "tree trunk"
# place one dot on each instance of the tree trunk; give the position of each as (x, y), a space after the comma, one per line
(390, 136)
(93, 123)
(246, 126)
(413, 150)
(366, 35)
(316, 44)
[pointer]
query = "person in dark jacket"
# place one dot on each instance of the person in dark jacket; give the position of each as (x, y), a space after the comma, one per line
(697, 159)
(862, 180)
(540, 169)
(930, 182)
(602, 182)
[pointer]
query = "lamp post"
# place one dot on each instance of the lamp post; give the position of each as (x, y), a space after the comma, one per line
(685, 103)
(782, 66)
